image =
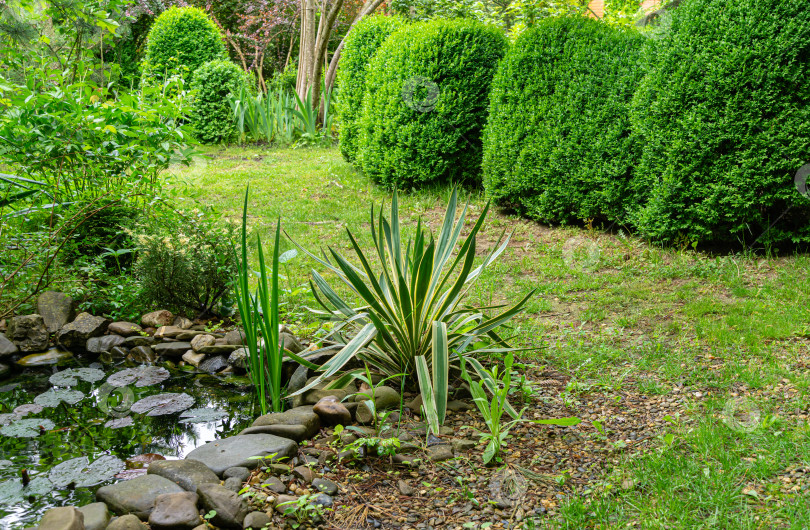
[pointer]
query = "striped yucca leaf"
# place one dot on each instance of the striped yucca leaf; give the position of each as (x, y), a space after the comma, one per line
(408, 293)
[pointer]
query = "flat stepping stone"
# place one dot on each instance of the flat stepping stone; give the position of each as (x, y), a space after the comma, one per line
(188, 474)
(238, 451)
(136, 496)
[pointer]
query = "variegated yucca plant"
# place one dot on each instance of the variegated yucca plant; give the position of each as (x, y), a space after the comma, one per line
(411, 320)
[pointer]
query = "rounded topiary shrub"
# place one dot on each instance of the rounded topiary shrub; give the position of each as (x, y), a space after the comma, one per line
(362, 41)
(724, 117)
(425, 103)
(182, 37)
(211, 115)
(557, 145)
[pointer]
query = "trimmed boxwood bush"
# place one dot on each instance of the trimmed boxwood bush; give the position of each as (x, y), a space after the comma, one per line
(425, 103)
(557, 146)
(362, 41)
(182, 37)
(211, 115)
(725, 122)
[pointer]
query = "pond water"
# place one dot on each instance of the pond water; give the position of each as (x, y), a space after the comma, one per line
(66, 431)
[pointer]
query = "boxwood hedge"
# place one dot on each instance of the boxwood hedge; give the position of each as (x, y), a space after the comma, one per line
(557, 146)
(211, 115)
(724, 118)
(363, 40)
(425, 103)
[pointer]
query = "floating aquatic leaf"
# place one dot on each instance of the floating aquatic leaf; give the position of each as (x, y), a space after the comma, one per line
(119, 423)
(141, 376)
(70, 376)
(26, 428)
(10, 492)
(31, 408)
(161, 404)
(53, 397)
(83, 474)
(9, 387)
(143, 461)
(5, 419)
(202, 415)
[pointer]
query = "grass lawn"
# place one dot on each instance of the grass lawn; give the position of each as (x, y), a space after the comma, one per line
(689, 371)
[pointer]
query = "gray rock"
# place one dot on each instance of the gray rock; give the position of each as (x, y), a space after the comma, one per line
(136, 496)
(310, 397)
(298, 379)
(118, 352)
(256, 521)
(125, 329)
(189, 334)
(126, 522)
(285, 502)
(139, 340)
(298, 416)
(213, 365)
(155, 319)
(171, 349)
(274, 484)
(331, 412)
(233, 484)
(201, 341)
(324, 500)
(235, 337)
(182, 322)
(325, 486)
(194, 359)
(56, 309)
(238, 358)
(415, 404)
(237, 451)
(175, 511)
(405, 488)
(219, 349)
(142, 355)
(289, 342)
(28, 333)
(231, 508)
(458, 406)
(74, 336)
(384, 398)
(188, 474)
(297, 433)
(103, 344)
(168, 332)
(242, 473)
(7, 348)
(63, 518)
(52, 356)
(96, 516)
(461, 445)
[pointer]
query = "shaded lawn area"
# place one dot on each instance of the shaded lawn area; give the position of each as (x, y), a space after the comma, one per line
(710, 352)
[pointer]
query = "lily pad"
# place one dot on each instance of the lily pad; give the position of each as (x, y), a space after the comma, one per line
(119, 423)
(27, 428)
(83, 474)
(13, 492)
(202, 415)
(70, 376)
(141, 376)
(31, 408)
(161, 404)
(53, 397)
(5, 419)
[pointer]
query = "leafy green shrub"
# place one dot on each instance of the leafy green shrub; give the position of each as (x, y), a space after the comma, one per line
(102, 232)
(185, 260)
(557, 145)
(211, 115)
(362, 41)
(425, 103)
(724, 120)
(185, 34)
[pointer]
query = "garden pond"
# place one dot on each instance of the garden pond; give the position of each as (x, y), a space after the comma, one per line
(67, 430)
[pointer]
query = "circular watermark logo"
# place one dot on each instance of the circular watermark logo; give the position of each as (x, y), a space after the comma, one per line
(420, 94)
(581, 253)
(115, 401)
(741, 415)
(508, 486)
(800, 180)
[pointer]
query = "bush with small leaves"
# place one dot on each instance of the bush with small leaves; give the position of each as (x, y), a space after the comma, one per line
(211, 115)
